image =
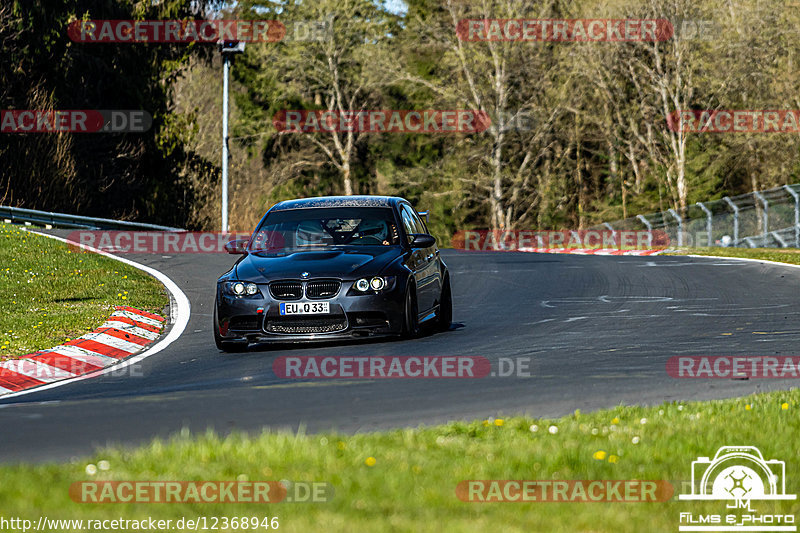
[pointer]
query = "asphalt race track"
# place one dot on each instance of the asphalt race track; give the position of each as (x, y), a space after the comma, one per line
(598, 332)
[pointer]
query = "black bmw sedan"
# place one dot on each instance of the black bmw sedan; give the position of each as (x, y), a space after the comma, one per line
(332, 268)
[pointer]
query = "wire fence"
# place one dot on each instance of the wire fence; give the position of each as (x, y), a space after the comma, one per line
(762, 219)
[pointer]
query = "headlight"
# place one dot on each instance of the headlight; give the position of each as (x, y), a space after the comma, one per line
(242, 288)
(373, 285)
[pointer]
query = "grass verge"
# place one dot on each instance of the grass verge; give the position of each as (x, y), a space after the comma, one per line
(781, 255)
(405, 480)
(49, 293)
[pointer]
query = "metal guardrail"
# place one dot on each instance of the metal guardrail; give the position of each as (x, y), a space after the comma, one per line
(61, 220)
(768, 218)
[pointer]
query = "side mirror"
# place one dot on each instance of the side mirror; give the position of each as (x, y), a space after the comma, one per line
(238, 246)
(421, 240)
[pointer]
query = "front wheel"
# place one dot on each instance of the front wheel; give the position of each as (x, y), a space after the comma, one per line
(445, 314)
(410, 313)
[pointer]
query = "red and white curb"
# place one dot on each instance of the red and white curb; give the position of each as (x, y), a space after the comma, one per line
(590, 251)
(179, 313)
(126, 332)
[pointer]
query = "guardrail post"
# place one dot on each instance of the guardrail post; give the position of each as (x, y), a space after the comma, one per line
(735, 219)
(796, 214)
(708, 220)
(649, 229)
(680, 225)
(766, 212)
(613, 232)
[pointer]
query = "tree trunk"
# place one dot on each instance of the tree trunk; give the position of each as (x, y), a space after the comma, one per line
(624, 200)
(683, 190)
(348, 181)
(496, 195)
(579, 175)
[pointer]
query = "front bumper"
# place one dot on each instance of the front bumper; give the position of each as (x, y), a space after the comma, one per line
(351, 317)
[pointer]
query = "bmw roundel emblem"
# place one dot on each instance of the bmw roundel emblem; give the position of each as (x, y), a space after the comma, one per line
(304, 275)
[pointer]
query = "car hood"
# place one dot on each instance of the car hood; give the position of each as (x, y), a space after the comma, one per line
(344, 263)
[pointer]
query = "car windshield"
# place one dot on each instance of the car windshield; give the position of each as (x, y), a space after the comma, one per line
(318, 228)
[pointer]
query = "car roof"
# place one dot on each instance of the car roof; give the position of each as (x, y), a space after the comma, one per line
(337, 201)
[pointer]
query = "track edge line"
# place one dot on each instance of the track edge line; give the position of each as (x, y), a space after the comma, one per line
(180, 311)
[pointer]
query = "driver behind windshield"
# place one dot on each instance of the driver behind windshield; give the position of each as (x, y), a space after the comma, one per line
(303, 229)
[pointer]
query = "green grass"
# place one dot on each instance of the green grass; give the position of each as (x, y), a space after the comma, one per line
(411, 486)
(50, 293)
(783, 255)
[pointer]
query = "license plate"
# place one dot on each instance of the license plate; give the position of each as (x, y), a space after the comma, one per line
(305, 308)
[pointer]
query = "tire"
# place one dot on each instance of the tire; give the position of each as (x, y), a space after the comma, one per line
(445, 315)
(410, 313)
(226, 346)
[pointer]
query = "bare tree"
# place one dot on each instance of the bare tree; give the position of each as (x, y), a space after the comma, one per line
(337, 69)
